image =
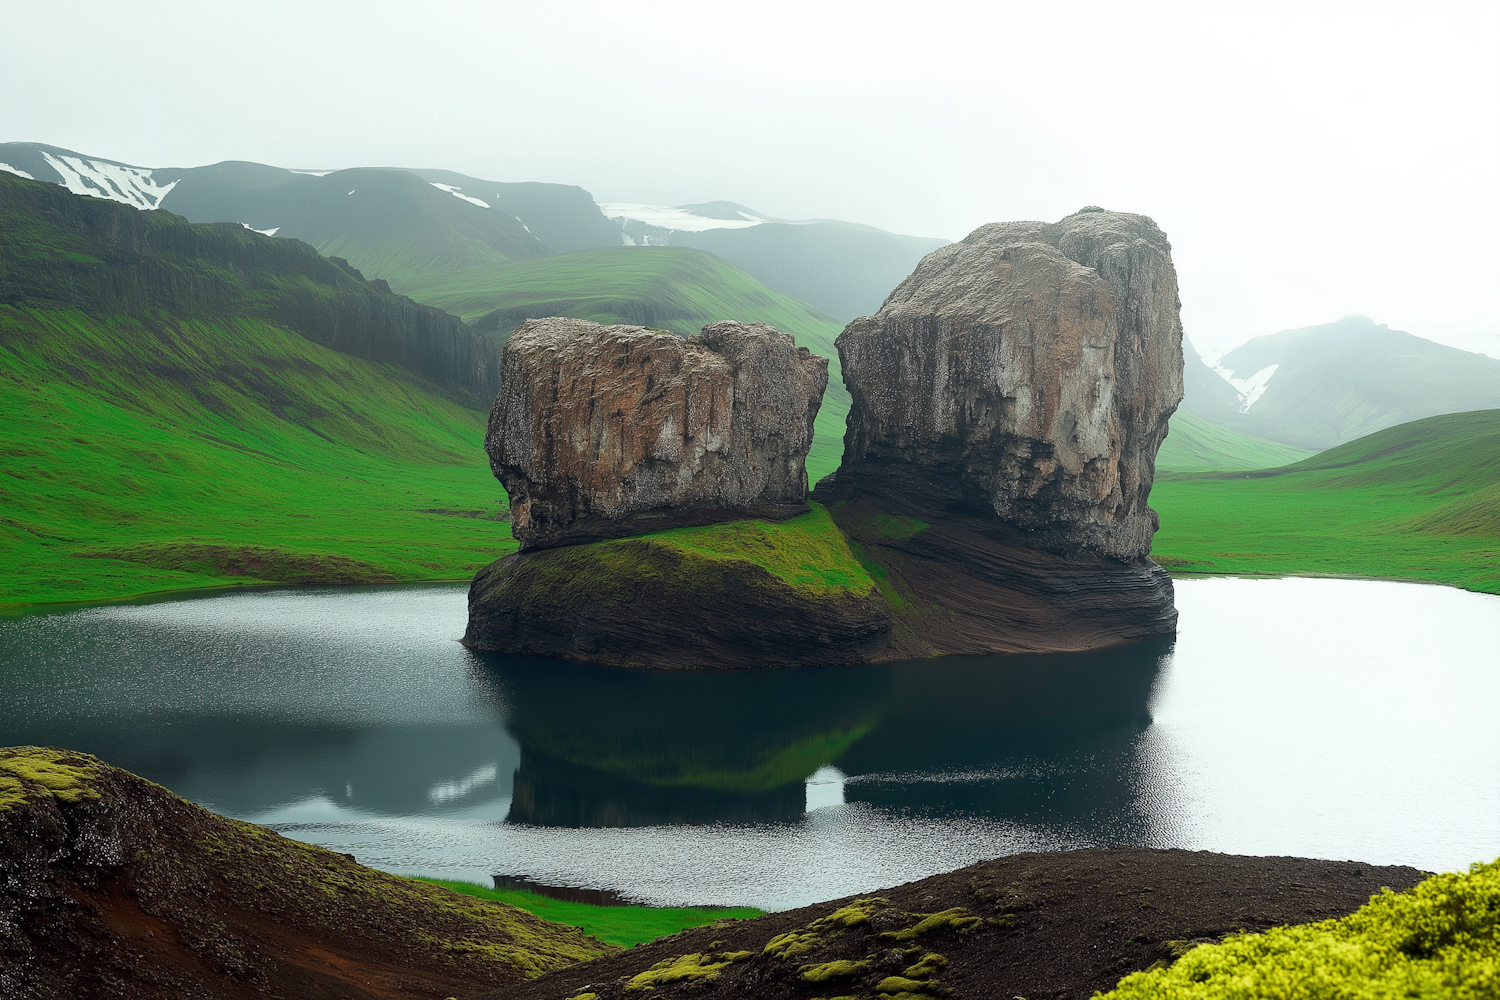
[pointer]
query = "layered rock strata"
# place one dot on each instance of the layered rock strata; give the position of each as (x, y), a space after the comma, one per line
(1008, 402)
(604, 432)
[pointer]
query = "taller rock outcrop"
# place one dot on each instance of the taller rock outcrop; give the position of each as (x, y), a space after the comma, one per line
(1009, 398)
(602, 432)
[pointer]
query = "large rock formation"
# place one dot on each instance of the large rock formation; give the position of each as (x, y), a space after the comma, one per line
(602, 432)
(1008, 402)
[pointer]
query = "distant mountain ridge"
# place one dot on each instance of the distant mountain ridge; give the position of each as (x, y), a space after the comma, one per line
(1321, 386)
(842, 268)
(95, 255)
(410, 227)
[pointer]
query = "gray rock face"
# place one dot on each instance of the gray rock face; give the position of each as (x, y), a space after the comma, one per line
(1029, 371)
(602, 432)
(1008, 402)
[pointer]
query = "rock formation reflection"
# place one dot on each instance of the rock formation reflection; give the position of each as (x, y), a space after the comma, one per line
(1021, 737)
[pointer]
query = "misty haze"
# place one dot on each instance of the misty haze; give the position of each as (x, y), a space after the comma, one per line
(749, 500)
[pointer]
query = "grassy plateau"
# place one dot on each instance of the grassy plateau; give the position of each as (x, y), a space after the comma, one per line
(1419, 501)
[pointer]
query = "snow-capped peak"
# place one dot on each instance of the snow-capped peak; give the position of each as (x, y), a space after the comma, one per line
(99, 179)
(681, 219)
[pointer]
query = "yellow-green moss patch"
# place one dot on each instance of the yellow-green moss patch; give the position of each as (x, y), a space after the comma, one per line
(840, 969)
(813, 936)
(689, 968)
(27, 773)
(1439, 939)
(957, 918)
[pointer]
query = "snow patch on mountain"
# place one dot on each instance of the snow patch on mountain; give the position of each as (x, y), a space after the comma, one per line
(264, 232)
(16, 170)
(1250, 389)
(457, 192)
(100, 179)
(311, 173)
(664, 217)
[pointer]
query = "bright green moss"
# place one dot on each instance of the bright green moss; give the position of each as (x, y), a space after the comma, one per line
(626, 926)
(1440, 939)
(28, 773)
(808, 552)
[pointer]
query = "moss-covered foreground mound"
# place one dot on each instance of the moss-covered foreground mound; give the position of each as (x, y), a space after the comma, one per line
(111, 886)
(1439, 940)
(1056, 925)
(746, 593)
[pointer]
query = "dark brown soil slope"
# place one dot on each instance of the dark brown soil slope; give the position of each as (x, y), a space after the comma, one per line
(111, 886)
(1036, 926)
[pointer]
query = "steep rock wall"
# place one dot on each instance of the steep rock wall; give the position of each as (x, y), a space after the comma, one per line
(1010, 397)
(603, 432)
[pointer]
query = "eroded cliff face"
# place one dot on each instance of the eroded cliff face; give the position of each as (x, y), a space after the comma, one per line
(1010, 397)
(1029, 369)
(603, 432)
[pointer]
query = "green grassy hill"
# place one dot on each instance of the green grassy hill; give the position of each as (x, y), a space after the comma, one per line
(169, 418)
(1194, 445)
(1412, 502)
(669, 288)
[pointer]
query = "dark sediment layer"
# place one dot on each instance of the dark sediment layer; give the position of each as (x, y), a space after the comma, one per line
(961, 581)
(1059, 925)
(634, 603)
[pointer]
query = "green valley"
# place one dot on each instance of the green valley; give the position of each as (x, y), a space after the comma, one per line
(169, 419)
(1195, 445)
(1412, 502)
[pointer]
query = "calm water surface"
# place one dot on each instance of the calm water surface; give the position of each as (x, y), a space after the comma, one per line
(1325, 718)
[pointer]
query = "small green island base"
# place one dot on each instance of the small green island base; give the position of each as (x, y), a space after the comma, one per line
(739, 594)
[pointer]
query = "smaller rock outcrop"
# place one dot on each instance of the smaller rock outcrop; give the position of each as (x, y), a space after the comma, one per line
(607, 431)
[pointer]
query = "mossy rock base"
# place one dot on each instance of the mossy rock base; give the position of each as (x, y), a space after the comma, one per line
(644, 602)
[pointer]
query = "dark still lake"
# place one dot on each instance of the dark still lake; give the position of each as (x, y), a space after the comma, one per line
(1326, 718)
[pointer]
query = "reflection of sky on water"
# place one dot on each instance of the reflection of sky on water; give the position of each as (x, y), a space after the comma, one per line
(1325, 718)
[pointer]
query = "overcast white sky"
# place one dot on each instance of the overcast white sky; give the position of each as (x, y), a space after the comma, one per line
(1307, 160)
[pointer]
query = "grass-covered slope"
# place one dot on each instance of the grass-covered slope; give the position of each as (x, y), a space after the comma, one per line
(1412, 502)
(668, 288)
(60, 250)
(1195, 445)
(1440, 939)
(161, 427)
(116, 887)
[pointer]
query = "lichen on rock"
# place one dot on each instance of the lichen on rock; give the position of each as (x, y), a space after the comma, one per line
(608, 431)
